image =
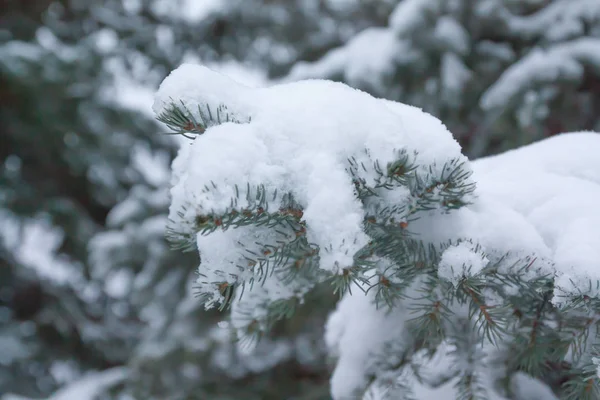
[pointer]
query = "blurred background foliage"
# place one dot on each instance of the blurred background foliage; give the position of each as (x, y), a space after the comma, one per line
(93, 304)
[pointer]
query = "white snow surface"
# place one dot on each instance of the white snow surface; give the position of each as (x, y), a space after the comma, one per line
(88, 387)
(541, 200)
(299, 139)
(33, 243)
(409, 15)
(188, 10)
(91, 385)
(461, 260)
(559, 20)
(564, 61)
(370, 58)
(450, 32)
(555, 186)
(367, 58)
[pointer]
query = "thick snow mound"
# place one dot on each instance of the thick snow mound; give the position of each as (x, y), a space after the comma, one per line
(542, 199)
(555, 185)
(296, 138)
(317, 142)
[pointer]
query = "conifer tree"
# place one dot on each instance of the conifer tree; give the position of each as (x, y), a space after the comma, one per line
(87, 168)
(499, 73)
(455, 280)
(82, 162)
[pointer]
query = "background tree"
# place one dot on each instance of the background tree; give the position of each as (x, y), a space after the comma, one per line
(86, 170)
(85, 166)
(457, 280)
(499, 73)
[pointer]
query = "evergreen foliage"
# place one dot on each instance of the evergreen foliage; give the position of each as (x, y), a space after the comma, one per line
(88, 282)
(85, 167)
(499, 73)
(495, 315)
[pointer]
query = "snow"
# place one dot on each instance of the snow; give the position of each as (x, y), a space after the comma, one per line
(542, 198)
(118, 283)
(89, 387)
(153, 167)
(125, 89)
(34, 242)
(538, 203)
(267, 354)
(454, 74)
(342, 6)
(555, 185)
(245, 74)
(106, 40)
(596, 362)
(365, 339)
(15, 54)
(298, 140)
(559, 20)
(50, 42)
(189, 11)
(104, 249)
(354, 340)
(368, 57)
(10, 396)
(453, 34)
(528, 388)
(194, 10)
(564, 61)
(132, 6)
(410, 15)
(123, 212)
(371, 58)
(460, 261)
(493, 50)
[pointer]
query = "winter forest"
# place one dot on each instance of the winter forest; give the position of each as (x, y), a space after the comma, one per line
(300, 199)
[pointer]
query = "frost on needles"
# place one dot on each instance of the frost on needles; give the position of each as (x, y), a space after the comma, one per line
(458, 279)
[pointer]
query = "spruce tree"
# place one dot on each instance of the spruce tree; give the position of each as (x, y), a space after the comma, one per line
(81, 162)
(84, 163)
(499, 73)
(456, 280)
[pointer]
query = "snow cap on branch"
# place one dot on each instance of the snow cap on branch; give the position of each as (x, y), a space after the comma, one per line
(296, 138)
(289, 186)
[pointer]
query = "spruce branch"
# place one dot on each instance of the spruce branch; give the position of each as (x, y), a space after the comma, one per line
(469, 360)
(227, 291)
(182, 121)
(256, 202)
(431, 314)
(489, 319)
(463, 304)
(290, 260)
